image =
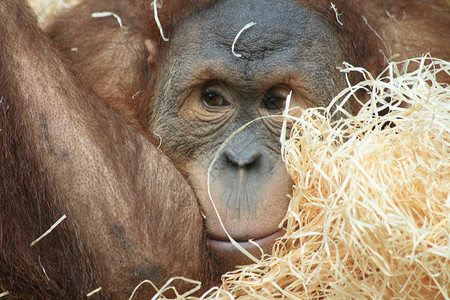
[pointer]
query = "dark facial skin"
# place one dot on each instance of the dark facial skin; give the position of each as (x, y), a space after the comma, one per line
(207, 93)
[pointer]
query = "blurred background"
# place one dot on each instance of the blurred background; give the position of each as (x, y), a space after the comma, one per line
(47, 8)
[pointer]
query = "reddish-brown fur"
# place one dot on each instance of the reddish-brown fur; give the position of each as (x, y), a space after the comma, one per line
(51, 117)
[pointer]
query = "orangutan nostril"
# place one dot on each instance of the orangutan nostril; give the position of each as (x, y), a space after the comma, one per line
(243, 158)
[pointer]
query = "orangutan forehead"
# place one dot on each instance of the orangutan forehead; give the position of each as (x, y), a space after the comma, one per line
(277, 25)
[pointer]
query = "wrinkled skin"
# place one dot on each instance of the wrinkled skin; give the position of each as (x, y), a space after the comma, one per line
(116, 129)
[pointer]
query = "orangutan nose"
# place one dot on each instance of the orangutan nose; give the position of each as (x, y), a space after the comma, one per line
(244, 157)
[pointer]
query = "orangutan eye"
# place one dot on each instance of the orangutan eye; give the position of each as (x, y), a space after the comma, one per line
(213, 99)
(274, 104)
(275, 99)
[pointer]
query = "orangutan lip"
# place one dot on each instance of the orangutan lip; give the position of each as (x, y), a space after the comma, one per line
(227, 248)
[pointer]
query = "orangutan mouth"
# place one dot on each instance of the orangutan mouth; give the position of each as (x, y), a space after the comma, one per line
(225, 247)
